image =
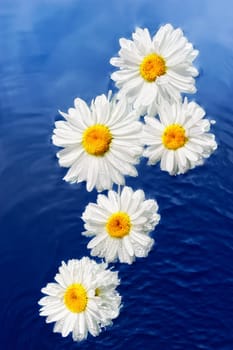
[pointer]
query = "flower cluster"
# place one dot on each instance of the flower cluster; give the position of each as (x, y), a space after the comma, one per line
(83, 300)
(102, 143)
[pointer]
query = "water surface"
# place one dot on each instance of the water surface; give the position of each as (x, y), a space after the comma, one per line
(180, 297)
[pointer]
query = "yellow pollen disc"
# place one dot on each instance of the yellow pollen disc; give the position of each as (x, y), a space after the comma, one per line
(75, 298)
(174, 136)
(118, 225)
(96, 140)
(152, 66)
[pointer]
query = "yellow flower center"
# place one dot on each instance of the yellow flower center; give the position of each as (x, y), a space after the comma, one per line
(152, 66)
(118, 225)
(75, 298)
(174, 136)
(96, 140)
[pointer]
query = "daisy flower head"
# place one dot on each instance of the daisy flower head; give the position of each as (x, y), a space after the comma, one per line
(152, 69)
(101, 142)
(179, 138)
(120, 224)
(83, 299)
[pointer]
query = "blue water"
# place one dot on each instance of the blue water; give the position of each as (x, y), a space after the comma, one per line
(180, 297)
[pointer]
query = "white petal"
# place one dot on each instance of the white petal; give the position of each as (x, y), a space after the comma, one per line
(68, 324)
(126, 198)
(170, 161)
(96, 240)
(128, 245)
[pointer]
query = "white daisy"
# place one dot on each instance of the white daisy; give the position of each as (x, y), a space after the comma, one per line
(180, 139)
(120, 224)
(82, 300)
(155, 68)
(101, 143)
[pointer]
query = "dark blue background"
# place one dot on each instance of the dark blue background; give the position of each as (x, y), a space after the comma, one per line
(180, 297)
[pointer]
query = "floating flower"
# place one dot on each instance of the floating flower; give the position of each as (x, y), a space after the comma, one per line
(120, 224)
(180, 139)
(83, 300)
(155, 68)
(101, 143)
